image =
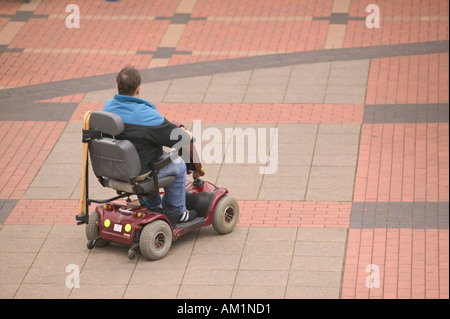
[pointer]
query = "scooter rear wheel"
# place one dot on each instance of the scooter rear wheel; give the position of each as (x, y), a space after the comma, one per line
(155, 240)
(226, 215)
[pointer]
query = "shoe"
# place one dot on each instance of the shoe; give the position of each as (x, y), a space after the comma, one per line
(159, 209)
(173, 216)
(187, 216)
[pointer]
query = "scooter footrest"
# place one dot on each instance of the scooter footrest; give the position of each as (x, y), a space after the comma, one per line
(198, 221)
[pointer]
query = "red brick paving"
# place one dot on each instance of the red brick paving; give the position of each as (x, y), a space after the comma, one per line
(249, 37)
(34, 68)
(95, 34)
(9, 7)
(105, 8)
(413, 263)
(24, 146)
(253, 213)
(83, 107)
(402, 8)
(43, 212)
(403, 163)
(394, 32)
(257, 8)
(408, 80)
(294, 214)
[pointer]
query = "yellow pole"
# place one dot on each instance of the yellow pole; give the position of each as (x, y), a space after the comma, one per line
(81, 210)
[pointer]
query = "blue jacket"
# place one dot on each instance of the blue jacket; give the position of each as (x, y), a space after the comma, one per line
(148, 130)
(134, 110)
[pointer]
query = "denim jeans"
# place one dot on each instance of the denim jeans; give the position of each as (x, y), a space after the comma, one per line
(175, 193)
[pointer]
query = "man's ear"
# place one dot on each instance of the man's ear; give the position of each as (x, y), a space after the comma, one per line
(138, 90)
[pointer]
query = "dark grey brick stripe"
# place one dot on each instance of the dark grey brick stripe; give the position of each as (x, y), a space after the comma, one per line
(6, 206)
(339, 18)
(100, 82)
(164, 52)
(181, 18)
(418, 215)
(406, 113)
(4, 48)
(28, 111)
(23, 16)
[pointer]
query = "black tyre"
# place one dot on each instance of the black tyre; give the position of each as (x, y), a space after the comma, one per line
(93, 230)
(226, 215)
(155, 240)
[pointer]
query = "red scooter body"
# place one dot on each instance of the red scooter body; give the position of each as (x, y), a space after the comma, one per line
(119, 222)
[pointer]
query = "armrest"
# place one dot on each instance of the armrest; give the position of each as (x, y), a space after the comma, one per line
(163, 160)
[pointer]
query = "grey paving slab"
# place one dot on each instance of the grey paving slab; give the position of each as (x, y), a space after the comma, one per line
(258, 292)
(347, 82)
(100, 96)
(338, 82)
(305, 93)
(268, 92)
(7, 291)
(317, 263)
(61, 172)
(272, 76)
(314, 279)
(339, 98)
(225, 93)
(95, 291)
(154, 92)
(248, 263)
(198, 84)
(141, 291)
(186, 90)
(241, 78)
(14, 259)
(42, 291)
(333, 167)
(293, 292)
(326, 149)
(204, 292)
(322, 234)
(60, 175)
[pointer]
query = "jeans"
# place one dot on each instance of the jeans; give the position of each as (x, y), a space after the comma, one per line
(175, 193)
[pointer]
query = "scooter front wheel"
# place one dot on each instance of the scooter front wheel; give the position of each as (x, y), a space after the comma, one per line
(155, 240)
(226, 215)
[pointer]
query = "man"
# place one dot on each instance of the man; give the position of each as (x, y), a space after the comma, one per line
(149, 131)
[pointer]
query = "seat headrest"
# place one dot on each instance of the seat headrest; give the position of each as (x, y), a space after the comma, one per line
(106, 122)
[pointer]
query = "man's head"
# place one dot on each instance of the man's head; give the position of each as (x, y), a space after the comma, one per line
(128, 81)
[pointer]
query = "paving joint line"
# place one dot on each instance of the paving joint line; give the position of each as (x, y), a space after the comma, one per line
(312, 162)
(344, 258)
(291, 263)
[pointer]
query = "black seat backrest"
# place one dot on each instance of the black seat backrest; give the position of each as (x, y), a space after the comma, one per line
(112, 158)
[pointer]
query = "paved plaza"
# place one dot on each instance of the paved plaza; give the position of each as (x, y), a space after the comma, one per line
(342, 178)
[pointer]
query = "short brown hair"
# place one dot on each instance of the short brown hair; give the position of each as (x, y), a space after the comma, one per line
(128, 80)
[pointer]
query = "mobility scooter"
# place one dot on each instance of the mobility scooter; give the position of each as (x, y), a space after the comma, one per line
(151, 231)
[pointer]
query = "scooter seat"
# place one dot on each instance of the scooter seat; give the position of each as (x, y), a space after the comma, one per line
(147, 184)
(116, 163)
